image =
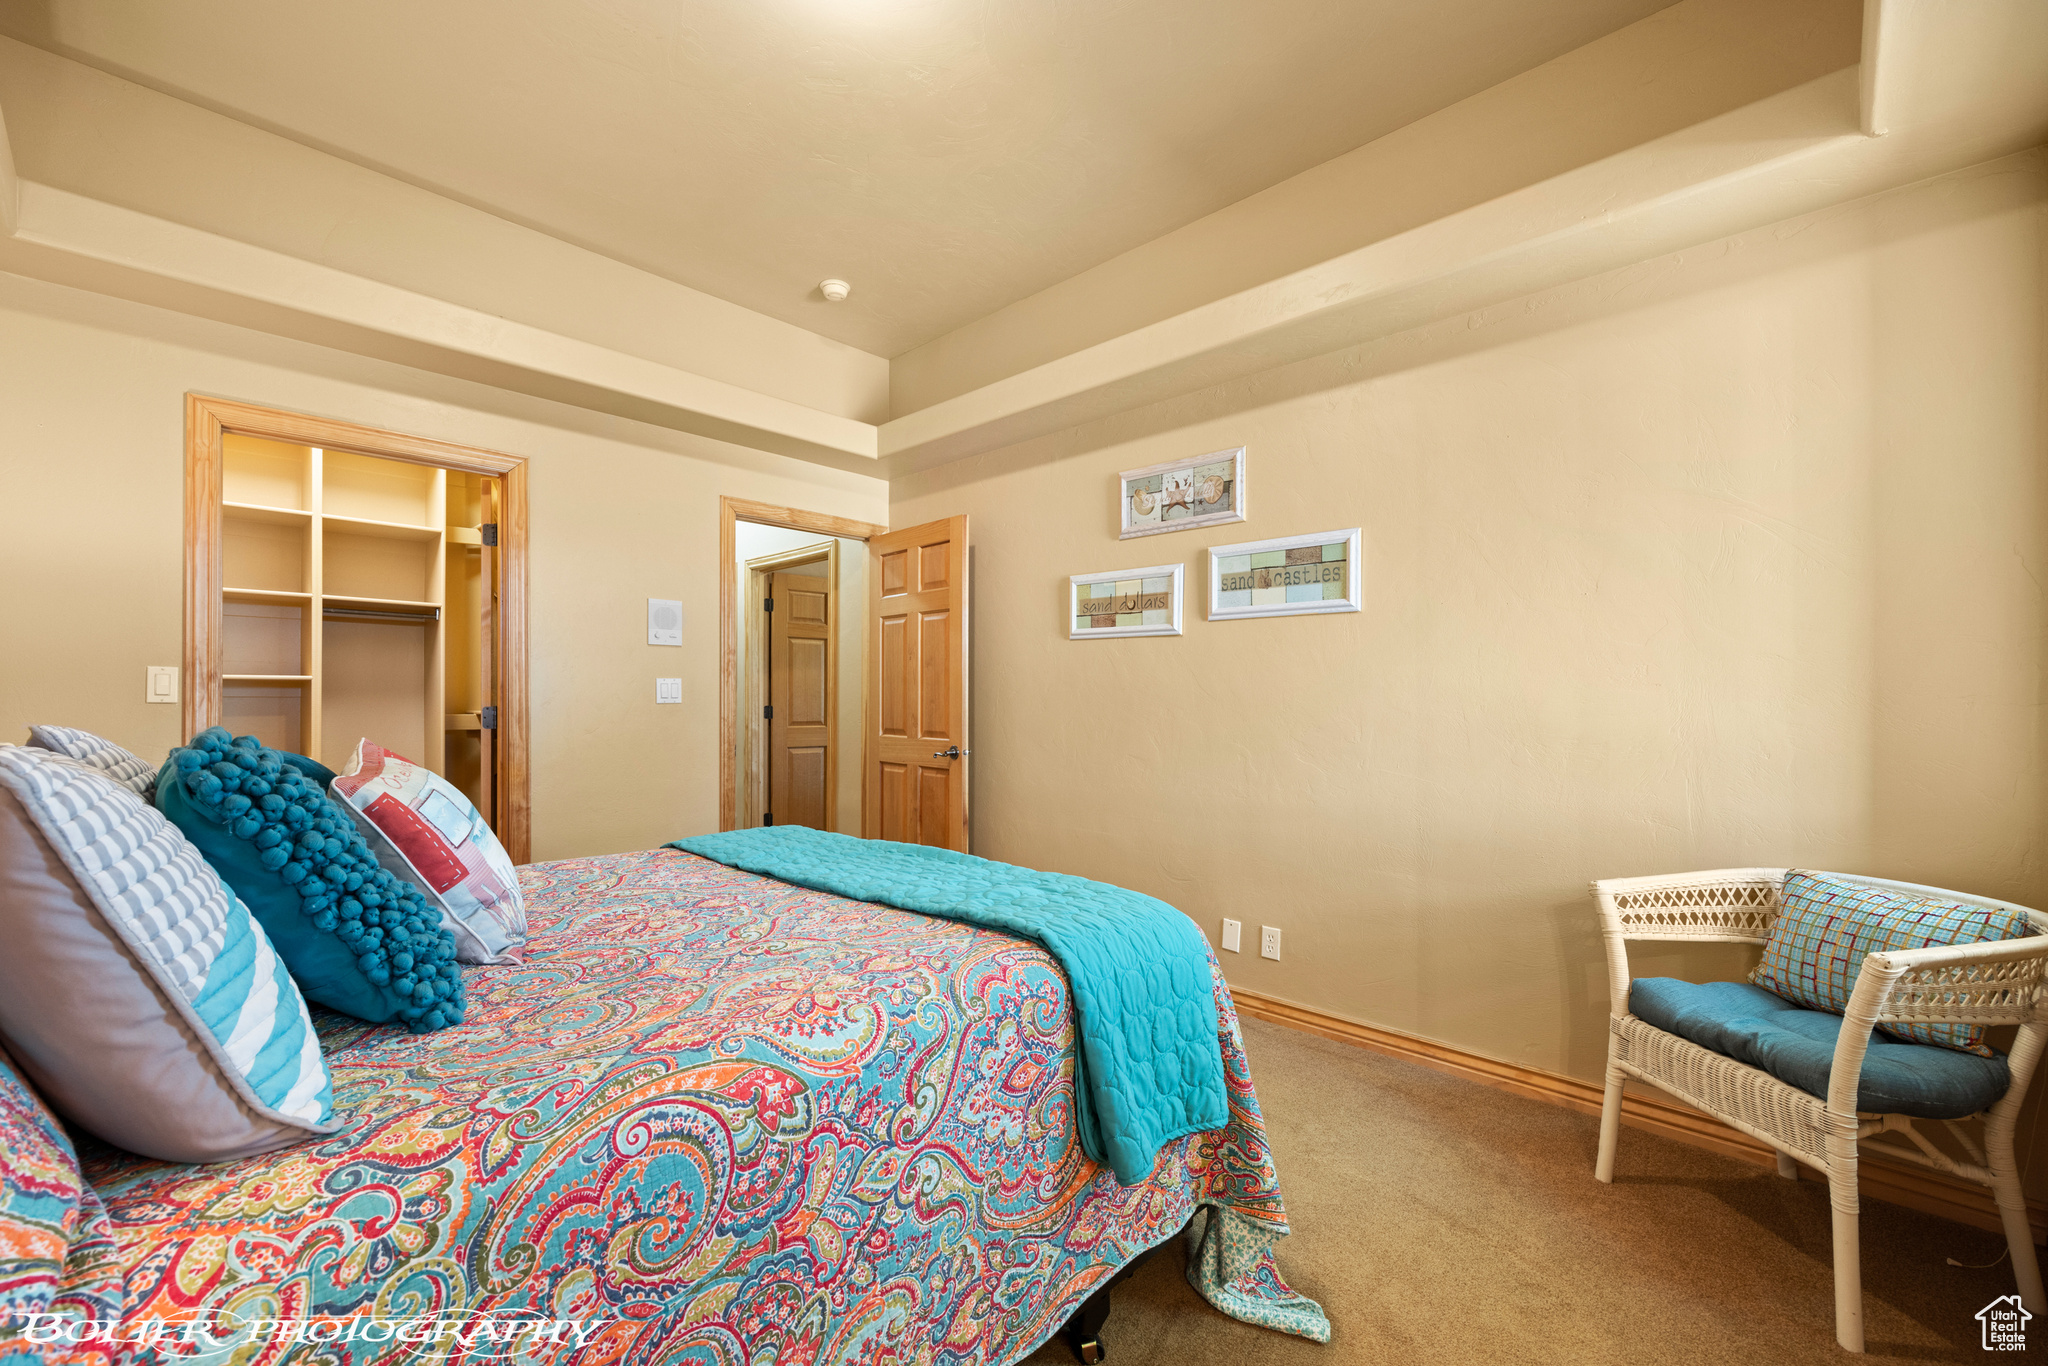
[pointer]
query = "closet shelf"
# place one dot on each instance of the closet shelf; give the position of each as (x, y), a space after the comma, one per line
(462, 720)
(360, 604)
(257, 512)
(277, 595)
(391, 531)
(266, 678)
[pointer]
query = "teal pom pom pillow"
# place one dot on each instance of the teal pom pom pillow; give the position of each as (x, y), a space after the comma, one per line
(355, 938)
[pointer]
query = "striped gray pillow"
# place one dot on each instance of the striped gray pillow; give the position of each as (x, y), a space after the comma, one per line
(136, 990)
(132, 771)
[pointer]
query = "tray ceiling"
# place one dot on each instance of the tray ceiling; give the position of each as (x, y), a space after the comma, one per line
(945, 157)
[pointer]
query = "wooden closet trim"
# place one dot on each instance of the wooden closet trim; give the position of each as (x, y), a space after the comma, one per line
(731, 512)
(207, 420)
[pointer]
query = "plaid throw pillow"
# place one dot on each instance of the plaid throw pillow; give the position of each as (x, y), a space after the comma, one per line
(1827, 927)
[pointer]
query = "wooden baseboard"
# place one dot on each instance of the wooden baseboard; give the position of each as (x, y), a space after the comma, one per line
(1899, 1183)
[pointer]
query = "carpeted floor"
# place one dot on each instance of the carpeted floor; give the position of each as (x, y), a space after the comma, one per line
(1439, 1221)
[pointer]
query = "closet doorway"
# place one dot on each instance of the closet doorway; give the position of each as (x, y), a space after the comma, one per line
(344, 582)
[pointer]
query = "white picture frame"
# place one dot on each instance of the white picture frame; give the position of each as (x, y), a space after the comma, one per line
(1156, 499)
(1235, 599)
(1129, 589)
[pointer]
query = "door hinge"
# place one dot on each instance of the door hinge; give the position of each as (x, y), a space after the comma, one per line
(489, 531)
(488, 718)
(767, 818)
(767, 713)
(767, 604)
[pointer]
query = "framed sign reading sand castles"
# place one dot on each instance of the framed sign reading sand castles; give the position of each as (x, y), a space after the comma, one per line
(1286, 577)
(1183, 494)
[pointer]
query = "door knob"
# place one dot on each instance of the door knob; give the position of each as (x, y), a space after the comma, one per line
(952, 752)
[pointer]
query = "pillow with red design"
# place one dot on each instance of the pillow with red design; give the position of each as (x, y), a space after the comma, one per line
(422, 829)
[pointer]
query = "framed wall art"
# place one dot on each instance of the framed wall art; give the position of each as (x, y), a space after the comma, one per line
(1290, 576)
(1183, 494)
(1124, 602)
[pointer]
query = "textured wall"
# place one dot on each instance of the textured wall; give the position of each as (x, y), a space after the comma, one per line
(1729, 558)
(92, 476)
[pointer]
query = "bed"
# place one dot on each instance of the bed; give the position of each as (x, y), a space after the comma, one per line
(712, 1118)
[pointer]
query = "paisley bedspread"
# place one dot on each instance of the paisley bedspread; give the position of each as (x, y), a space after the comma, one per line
(713, 1118)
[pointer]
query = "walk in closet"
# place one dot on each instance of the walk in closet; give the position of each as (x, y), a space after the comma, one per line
(357, 596)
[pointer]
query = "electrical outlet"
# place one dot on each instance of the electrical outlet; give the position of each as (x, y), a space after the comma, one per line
(1269, 942)
(1232, 930)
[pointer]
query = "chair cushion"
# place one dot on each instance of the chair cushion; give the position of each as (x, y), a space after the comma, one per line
(1797, 1046)
(1828, 925)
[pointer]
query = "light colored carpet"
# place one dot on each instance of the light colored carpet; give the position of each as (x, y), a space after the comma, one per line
(1439, 1221)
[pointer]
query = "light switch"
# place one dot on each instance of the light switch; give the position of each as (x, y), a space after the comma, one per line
(668, 689)
(665, 623)
(163, 683)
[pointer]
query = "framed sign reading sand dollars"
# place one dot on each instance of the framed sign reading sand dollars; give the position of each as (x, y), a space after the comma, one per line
(1124, 602)
(1290, 576)
(1183, 494)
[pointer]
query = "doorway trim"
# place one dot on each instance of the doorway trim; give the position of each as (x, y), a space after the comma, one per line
(207, 421)
(731, 512)
(754, 662)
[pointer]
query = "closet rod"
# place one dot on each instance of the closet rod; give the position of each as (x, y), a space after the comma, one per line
(366, 614)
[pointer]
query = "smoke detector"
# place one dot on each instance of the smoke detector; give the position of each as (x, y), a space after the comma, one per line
(835, 291)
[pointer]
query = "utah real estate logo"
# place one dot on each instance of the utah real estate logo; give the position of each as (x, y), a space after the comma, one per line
(2005, 1324)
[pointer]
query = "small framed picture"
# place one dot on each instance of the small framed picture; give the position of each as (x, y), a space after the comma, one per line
(1290, 576)
(1182, 495)
(1125, 602)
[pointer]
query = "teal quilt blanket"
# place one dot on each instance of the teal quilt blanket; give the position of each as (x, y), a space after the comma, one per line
(1150, 1065)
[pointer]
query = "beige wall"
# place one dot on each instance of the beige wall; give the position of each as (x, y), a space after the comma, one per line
(92, 478)
(1729, 558)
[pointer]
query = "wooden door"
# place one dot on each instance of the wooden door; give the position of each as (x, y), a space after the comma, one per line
(915, 784)
(800, 701)
(487, 658)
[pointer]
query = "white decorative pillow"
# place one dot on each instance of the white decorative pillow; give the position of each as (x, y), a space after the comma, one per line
(132, 771)
(422, 829)
(136, 990)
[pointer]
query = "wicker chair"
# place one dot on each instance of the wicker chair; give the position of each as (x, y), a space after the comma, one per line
(1990, 984)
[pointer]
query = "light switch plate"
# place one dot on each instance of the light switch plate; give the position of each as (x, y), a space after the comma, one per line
(162, 683)
(668, 689)
(665, 622)
(1233, 936)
